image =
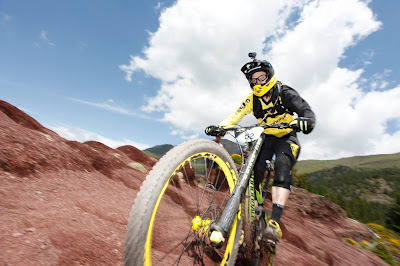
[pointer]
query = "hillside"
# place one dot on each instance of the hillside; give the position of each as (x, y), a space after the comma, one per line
(63, 202)
(366, 187)
(370, 161)
(67, 203)
(158, 151)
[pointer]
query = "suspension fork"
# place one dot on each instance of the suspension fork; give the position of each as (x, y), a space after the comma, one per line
(222, 228)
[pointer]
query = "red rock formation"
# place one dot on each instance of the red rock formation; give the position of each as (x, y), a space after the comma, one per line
(65, 202)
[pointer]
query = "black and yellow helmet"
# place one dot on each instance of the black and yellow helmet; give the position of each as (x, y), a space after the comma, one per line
(255, 66)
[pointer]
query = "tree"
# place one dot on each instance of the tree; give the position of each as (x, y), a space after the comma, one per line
(393, 217)
(301, 180)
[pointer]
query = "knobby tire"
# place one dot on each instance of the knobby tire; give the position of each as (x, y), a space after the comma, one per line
(250, 230)
(160, 231)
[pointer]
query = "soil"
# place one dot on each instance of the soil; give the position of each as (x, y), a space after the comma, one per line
(67, 203)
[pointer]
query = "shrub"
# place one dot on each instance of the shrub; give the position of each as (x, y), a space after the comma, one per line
(364, 243)
(394, 242)
(138, 166)
(383, 253)
(237, 158)
(351, 241)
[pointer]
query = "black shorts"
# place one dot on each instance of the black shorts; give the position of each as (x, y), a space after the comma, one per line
(288, 145)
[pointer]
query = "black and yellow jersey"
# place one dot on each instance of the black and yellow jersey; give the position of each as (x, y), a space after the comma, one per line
(279, 109)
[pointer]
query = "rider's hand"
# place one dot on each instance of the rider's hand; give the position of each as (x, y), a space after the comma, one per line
(214, 131)
(303, 124)
(211, 130)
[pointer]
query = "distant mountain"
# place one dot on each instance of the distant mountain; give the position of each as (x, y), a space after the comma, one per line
(159, 150)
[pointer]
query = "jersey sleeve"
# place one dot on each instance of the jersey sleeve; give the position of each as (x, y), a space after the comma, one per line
(295, 103)
(245, 108)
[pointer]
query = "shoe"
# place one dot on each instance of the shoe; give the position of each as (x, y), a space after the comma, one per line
(273, 231)
(211, 186)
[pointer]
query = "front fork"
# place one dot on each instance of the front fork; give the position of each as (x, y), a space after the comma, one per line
(220, 230)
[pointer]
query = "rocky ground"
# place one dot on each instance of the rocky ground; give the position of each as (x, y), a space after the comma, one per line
(67, 203)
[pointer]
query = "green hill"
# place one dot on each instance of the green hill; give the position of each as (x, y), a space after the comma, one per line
(364, 186)
(369, 161)
(158, 151)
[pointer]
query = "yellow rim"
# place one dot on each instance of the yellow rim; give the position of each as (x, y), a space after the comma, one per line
(231, 179)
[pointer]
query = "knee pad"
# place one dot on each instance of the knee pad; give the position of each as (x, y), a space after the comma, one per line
(283, 175)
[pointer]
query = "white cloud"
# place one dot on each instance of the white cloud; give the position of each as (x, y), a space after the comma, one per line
(81, 45)
(111, 106)
(28, 111)
(197, 52)
(159, 6)
(82, 135)
(5, 17)
(200, 46)
(45, 39)
(378, 82)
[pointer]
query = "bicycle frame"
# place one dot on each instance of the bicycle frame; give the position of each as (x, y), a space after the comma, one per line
(222, 228)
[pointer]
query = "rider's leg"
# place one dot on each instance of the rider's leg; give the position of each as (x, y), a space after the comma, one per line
(286, 155)
(211, 173)
(260, 166)
(282, 184)
(280, 193)
(213, 176)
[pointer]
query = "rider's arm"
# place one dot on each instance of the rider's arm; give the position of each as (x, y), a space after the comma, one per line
(294, 102)
(245, 108)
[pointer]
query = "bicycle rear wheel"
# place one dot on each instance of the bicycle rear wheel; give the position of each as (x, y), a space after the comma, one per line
(171, 216)
(249, 221)
(268, 251)
(254, 250)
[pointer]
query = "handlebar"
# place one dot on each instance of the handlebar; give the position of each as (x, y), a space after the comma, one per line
(222, 131)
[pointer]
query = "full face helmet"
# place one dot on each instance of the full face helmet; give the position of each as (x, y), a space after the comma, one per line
(255, 66)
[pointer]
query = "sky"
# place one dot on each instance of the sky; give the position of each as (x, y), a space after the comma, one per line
(148, 73)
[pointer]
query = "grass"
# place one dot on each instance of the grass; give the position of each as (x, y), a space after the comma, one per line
(138, 166)
(371, 161)
(388, 247)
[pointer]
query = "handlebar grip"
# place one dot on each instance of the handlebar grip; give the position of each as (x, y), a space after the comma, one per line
(295, 127)
(220, 132)
(215, 131)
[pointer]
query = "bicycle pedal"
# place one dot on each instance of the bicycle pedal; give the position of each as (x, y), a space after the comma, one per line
(269, 249)
(271, 242)
(268, 242)
(259, 208)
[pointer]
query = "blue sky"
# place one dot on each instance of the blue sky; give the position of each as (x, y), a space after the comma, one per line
(146, 73)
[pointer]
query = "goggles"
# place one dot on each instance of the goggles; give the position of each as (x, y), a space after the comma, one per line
(260, 79)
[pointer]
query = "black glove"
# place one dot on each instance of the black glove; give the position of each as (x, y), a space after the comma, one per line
(215, 131)
(303, 124)
(211, 130)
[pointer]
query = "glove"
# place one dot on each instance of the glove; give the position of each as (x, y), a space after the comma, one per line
(215, 131)
(303, 124)
(211, 130)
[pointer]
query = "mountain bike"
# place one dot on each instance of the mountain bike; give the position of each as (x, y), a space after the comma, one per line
(178, 218)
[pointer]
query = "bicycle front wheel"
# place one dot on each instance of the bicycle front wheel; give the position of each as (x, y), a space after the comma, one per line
(181, 197)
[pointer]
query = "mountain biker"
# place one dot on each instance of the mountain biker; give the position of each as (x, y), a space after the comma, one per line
(271, 103)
